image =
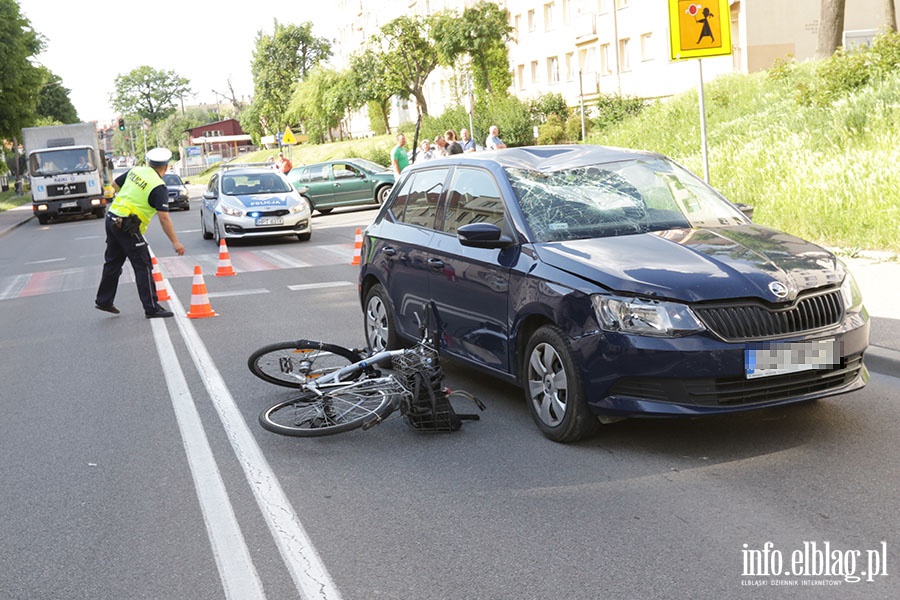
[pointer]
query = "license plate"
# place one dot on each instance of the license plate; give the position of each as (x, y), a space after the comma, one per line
(270, 221)
(68, 204)
(780, 358)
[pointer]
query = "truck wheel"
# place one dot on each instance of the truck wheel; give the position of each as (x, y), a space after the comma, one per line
(100, 213)
(43, 219)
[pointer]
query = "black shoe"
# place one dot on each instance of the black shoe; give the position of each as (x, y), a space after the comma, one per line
(160, 313)
(107, 308)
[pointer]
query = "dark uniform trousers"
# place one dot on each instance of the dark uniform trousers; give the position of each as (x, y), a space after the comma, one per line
(119, 246)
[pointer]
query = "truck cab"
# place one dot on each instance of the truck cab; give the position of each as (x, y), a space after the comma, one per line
(68, 178)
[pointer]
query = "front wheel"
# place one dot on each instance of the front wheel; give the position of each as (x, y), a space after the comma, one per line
(336, 411)
(382, 194)
(554, 389)
(291, 364)
(381, 332)
(206, 234)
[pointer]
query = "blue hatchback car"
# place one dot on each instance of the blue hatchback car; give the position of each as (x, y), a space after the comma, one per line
(609, 283)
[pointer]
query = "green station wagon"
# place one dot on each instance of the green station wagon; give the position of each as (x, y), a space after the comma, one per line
(349, 182)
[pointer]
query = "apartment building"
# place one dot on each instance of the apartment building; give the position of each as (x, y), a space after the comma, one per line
(582, 48)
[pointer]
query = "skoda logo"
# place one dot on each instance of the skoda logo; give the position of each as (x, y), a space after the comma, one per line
(779, 289)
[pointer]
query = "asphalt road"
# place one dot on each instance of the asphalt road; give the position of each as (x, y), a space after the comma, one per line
(133, 465)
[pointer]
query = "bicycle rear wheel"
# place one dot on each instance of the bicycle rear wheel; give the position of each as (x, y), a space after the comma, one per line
(335, 411)
(291, 364)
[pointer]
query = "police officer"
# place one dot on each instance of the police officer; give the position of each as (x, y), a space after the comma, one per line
(140, 194)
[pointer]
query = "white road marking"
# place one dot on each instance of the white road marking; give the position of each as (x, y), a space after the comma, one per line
(236, 570)
(238, 293)
(302, 560)
(317, 286)
(49, 260)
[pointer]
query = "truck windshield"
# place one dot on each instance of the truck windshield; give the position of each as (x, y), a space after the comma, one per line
(60, 162)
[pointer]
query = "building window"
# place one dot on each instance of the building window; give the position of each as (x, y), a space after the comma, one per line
(570, 66)
(517, 24)
(520, 76)
(647, 46)
(603, 7)
(625, 54)
(604, 60)
(534, 71)
(549, 8)
(566, 10)
(531, 20)
(620, 4)
(553, 69)
(587, 60)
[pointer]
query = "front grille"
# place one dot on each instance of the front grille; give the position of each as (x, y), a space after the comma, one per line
(66, 189)
(754, 320)
(278, 212)
(738, 391)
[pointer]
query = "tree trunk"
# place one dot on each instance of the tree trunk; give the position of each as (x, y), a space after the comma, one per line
(890, 16)
(831, 27)
(420, 100)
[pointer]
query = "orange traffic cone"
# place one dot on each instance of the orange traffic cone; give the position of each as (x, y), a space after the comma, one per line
(162, 292)
(199, 298)
(224, 260)
(357, 248)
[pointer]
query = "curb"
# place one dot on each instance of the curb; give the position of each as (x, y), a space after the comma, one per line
(6, 228)
(883, 360)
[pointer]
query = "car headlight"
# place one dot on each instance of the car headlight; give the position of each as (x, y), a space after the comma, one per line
(850, 293)
(645, 317)
(233, 212)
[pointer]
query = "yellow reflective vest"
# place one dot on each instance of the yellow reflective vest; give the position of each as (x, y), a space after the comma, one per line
(134, 197)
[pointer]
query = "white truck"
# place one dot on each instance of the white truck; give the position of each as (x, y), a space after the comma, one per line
(68, 176)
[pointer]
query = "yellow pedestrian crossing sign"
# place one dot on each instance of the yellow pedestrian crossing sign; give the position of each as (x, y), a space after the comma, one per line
(288, 138)
(699, 28)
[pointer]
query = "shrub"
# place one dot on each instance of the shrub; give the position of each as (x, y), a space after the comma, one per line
(613, 109)
(552, 131)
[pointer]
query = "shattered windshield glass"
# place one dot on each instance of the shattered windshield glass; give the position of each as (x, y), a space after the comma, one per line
(621, 198)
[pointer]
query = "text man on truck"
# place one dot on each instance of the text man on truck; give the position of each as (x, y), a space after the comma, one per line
(66, 171)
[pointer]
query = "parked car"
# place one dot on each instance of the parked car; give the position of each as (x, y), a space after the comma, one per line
(252, 200)
(610, 283)
(350, 182)
(178, 192)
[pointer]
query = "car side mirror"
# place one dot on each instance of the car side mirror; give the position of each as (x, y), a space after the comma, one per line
(187, 181)
(208, 195)
(482, 235)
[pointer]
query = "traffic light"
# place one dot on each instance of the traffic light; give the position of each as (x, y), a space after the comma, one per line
(121, 124)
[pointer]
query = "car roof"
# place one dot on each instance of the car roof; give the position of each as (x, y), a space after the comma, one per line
(248, 168)
(329, 162)
(542, 158)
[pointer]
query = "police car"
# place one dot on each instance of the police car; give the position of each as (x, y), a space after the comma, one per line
(252, 200)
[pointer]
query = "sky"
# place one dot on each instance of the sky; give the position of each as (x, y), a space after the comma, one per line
(88, 43)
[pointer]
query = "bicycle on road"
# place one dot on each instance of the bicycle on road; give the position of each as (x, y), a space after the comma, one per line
(342, 389)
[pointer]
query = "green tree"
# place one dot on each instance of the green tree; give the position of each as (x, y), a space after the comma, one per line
(20, 79)
(409, 55)
(374, 85)
(148, 93)
(481, 34)
(54, 102)
(321, 101)
(279, 61)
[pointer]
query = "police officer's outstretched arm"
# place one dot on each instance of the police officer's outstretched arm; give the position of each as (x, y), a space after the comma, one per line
(165, 221)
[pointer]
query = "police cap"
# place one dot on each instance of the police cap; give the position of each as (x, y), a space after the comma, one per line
(159, 157)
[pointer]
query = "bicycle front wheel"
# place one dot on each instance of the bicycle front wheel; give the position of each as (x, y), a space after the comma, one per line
(335, 411)
(291, 364)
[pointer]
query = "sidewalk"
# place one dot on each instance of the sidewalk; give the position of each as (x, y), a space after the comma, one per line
(878, 275)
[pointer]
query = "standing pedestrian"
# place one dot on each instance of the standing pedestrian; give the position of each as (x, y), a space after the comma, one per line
(284, 165)
(399, 157)
(425, 153)
(467, 143)
(493, 141)
(453, 146)
(140, 194)
(440, 146)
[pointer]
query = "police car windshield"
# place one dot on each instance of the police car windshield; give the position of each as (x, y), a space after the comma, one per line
(244, 184)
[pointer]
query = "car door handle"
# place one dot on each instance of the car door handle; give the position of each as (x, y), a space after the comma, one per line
(436, 264)
(389, 251)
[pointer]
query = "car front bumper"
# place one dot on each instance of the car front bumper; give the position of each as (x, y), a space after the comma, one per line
(626, 375)
(246, 227)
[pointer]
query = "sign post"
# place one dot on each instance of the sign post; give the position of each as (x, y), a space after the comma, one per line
(288, 139)
(700, 28)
